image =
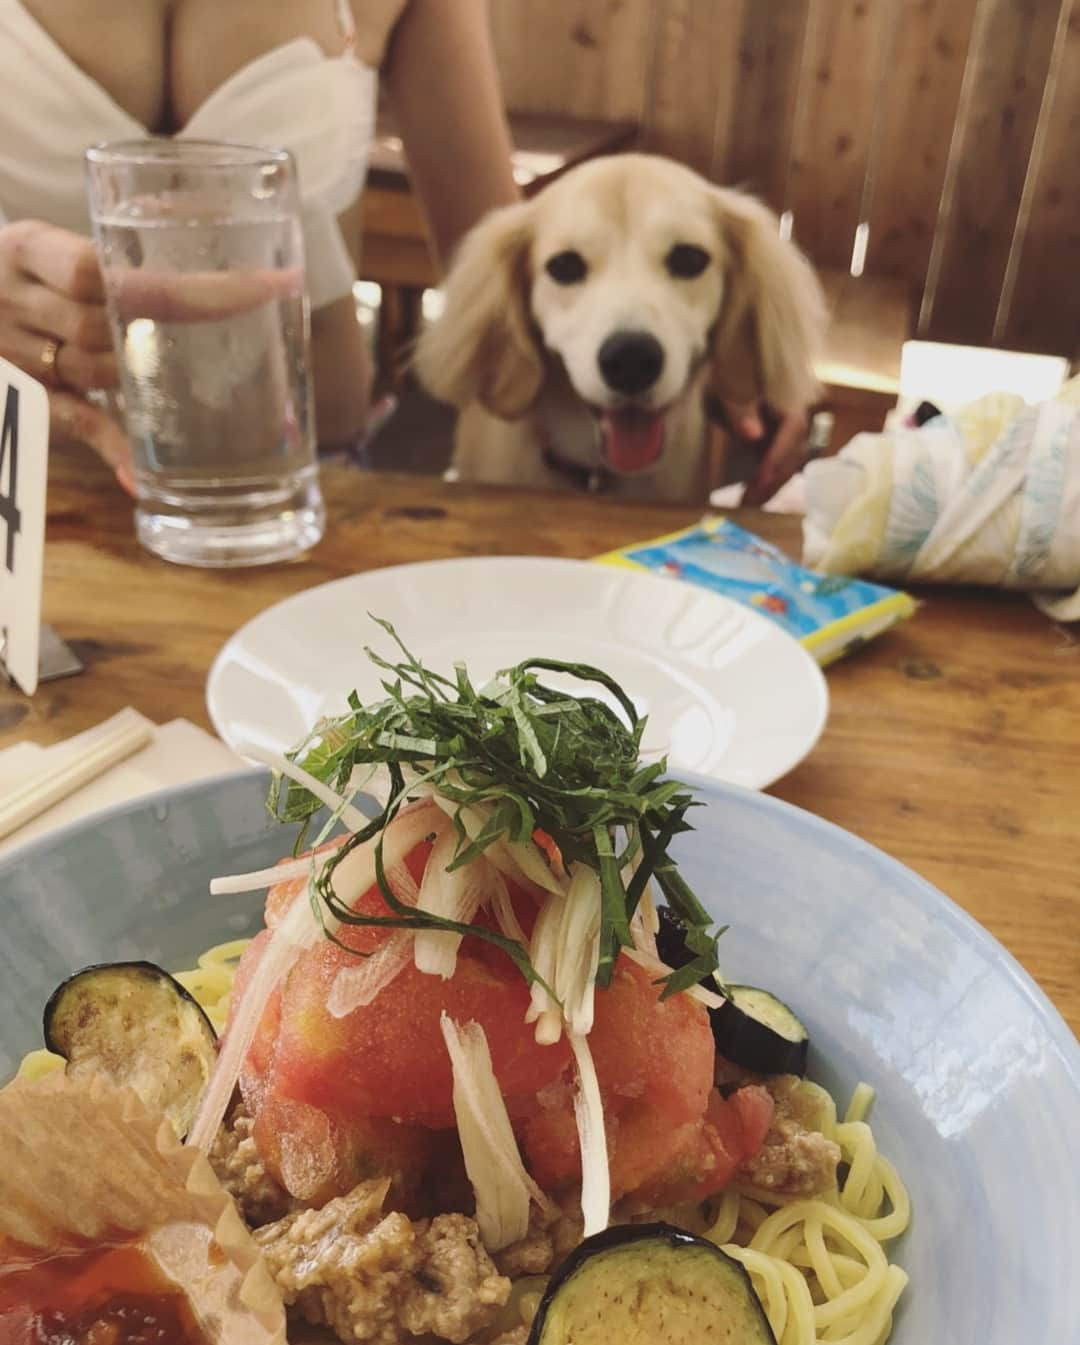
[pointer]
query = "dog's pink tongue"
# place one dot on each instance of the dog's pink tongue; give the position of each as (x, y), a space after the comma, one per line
(633, 439)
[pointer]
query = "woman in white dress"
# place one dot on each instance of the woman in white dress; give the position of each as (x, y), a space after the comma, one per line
(297, 73)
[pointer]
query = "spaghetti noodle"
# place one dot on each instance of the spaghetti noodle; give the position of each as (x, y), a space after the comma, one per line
(819, 1265)
(211, 982)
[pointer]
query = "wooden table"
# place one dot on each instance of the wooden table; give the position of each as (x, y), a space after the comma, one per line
(953, 742)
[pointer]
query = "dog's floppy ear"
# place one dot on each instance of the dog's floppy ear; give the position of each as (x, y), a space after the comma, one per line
(484, 348)
(772, 321)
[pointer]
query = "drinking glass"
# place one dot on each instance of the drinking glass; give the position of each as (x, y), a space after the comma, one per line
(201, 249)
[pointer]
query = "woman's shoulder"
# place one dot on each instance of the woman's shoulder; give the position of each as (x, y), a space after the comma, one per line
(375, 20)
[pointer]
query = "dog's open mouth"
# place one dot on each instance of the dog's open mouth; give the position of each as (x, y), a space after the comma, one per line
(633, 438)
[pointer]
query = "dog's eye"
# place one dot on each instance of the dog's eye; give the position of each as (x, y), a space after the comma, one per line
(686, 261)
(566, 268)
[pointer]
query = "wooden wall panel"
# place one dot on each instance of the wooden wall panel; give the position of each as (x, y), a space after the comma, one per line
(1000, 103)
(757, 152)
(919, 96)
(578, 58)
(1042, 308)
(845, 50)
(918, 117)
(693, 79)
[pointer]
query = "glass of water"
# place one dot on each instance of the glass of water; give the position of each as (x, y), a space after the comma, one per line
(202, 253)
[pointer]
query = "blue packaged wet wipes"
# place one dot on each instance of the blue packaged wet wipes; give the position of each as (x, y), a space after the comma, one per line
(831, 615)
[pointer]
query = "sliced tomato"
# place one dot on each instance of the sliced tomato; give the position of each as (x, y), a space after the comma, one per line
(282, 895)
(654, 1062)
(647, 1046)
(710, 1152)
(261, 1052)
(747, 1118)
(389, 1059)
(548, 844)
(362, 1094)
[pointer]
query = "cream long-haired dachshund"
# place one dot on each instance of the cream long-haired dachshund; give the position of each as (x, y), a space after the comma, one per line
(636, 289)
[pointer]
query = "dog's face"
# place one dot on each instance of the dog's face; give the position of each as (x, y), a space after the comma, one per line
(627, 281)
(635, 275)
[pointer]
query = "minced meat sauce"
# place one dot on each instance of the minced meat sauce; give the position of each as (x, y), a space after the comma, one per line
(113, 1295)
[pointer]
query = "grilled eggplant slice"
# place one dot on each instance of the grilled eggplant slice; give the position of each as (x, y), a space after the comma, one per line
(754, 1029)
(138, 1027)
(641, 1284)
(671, 939)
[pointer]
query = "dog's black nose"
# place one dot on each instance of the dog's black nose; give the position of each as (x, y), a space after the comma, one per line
(630, 361)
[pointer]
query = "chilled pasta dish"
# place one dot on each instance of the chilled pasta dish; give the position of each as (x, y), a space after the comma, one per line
(483, 1076)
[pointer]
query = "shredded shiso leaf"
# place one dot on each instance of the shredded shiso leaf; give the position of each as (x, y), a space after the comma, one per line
(527, 759)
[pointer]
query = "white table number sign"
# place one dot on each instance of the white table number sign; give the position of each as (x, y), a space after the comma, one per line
(24, 457)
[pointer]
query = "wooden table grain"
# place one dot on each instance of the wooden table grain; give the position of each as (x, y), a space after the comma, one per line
(953, 741)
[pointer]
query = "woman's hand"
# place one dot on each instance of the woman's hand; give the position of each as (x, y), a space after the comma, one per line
(784, 451)
(53, 325)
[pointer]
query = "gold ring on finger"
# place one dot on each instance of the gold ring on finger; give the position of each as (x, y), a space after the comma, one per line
(49, 353)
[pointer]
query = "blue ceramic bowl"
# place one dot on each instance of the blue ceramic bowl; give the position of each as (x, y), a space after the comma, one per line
(977, 1077)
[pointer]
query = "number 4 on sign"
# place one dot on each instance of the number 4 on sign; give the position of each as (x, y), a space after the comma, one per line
(9, 458)
(24, 457)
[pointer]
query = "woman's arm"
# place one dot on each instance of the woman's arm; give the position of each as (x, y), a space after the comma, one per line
(340, 362)
(341, 371)
(444, 89)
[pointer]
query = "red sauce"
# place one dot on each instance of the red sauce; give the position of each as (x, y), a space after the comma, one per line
(113, 1295)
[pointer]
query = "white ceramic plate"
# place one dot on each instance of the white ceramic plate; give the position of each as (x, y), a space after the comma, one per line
(728, 694)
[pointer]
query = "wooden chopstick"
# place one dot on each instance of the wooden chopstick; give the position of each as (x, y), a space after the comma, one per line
(108, 743)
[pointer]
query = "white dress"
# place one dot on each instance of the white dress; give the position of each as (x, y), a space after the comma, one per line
(320, 108)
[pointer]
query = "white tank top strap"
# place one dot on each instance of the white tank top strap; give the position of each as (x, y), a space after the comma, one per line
(347, 24)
